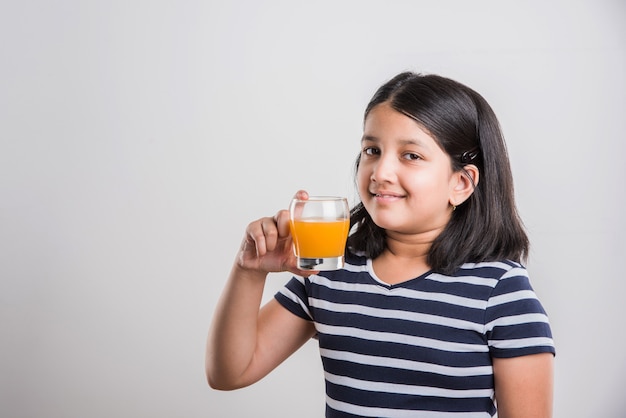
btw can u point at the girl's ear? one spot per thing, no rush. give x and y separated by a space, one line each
463 184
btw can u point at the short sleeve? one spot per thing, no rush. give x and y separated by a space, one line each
293 297
516 323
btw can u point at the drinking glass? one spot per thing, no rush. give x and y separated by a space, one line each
319 227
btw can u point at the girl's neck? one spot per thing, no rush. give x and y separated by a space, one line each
405 258
409 247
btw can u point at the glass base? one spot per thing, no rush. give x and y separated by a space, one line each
321 264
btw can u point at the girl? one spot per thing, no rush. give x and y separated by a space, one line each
433 314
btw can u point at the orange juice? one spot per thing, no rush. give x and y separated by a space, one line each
319 238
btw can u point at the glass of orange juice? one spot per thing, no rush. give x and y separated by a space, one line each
319 227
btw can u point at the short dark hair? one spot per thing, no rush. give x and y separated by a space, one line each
487 226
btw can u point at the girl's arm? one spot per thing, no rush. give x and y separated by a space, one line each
246 343
524 386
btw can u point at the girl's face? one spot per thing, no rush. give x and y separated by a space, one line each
405 179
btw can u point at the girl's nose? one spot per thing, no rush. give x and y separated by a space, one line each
384 170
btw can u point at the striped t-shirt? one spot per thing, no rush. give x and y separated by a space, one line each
421 348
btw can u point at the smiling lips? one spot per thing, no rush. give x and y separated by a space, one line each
383 196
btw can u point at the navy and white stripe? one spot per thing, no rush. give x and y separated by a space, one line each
422 347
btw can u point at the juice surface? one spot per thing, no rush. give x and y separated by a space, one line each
319 238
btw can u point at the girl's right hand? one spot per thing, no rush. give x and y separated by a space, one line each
268 246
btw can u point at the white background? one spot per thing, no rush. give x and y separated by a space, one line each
138 139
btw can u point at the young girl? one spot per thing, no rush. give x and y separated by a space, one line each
433 314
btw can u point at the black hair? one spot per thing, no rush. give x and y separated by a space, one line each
487 226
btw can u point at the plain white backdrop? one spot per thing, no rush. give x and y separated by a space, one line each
139 138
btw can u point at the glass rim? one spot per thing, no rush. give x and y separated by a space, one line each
321 198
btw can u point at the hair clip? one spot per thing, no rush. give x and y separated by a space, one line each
469 156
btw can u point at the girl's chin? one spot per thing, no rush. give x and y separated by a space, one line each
385 222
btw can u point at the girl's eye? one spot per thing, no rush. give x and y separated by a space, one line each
412 156
371 151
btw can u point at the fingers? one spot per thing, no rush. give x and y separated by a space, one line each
282 217
301 195
268 241
270 232
303 273
264 233
282 223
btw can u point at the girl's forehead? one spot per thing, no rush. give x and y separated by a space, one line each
385 122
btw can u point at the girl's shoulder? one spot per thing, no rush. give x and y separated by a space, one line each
492 269
487 274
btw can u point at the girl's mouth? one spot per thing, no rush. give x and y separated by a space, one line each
386 197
